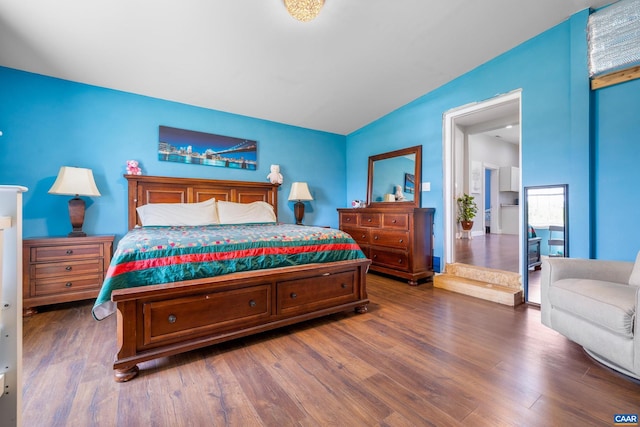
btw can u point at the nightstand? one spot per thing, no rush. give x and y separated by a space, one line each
63 269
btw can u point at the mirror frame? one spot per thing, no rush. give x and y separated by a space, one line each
525 232
417 173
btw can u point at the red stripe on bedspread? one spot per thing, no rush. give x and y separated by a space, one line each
127 267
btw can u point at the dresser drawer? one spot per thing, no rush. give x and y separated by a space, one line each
360 235
350 218
169 320
395 260
68 252
301 295
400 221
62 285
393 239
370 220
67 269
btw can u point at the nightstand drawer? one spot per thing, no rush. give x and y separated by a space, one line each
56 286
67 269
60 253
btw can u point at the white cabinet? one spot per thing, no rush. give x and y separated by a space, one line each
11 304
509 219
510 178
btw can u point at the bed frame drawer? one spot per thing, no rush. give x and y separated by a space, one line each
310 293
174 319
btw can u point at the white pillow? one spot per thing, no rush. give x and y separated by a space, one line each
243 213
634 279
203 213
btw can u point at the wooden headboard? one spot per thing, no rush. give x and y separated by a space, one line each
162 189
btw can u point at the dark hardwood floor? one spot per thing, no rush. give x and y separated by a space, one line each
499 251
421 356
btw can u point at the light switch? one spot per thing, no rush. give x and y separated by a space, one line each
426 186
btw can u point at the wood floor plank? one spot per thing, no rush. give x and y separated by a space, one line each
420 356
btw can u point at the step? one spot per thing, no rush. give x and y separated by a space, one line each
483 274
487 291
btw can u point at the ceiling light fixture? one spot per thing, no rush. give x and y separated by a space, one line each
304 10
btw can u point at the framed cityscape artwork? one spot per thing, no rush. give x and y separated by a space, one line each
199 148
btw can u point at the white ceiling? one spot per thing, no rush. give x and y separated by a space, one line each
356 62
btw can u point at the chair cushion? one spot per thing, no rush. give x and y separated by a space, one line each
635 273
606 304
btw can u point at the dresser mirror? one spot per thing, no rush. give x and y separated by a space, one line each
395 177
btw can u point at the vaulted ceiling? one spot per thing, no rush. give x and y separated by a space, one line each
357 61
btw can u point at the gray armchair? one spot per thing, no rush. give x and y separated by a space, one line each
592 303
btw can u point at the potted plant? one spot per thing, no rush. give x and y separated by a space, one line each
467 210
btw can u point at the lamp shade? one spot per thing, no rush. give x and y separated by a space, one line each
300 192
75 182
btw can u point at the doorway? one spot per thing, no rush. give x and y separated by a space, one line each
501 209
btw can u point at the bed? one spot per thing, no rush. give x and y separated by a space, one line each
161 313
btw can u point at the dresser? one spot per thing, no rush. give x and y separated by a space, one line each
63 269
397 239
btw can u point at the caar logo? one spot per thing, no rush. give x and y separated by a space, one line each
625 419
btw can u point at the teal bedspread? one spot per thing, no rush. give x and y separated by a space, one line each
154 255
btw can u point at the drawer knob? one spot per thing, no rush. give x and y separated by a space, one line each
252 303
394 221
348 220
294 295
69 251
343 286
68 284
368 219
400 261
172 318
375 237
401 240
375 256
68 268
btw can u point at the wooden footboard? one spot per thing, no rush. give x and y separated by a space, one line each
163 320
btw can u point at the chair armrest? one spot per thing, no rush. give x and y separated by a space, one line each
554 269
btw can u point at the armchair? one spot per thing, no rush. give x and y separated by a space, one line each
592 303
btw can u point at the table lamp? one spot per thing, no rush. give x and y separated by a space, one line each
299 193
75 182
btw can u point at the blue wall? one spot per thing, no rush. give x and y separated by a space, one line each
48 123
617 166
551 70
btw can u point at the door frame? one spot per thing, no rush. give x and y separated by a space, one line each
451 136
